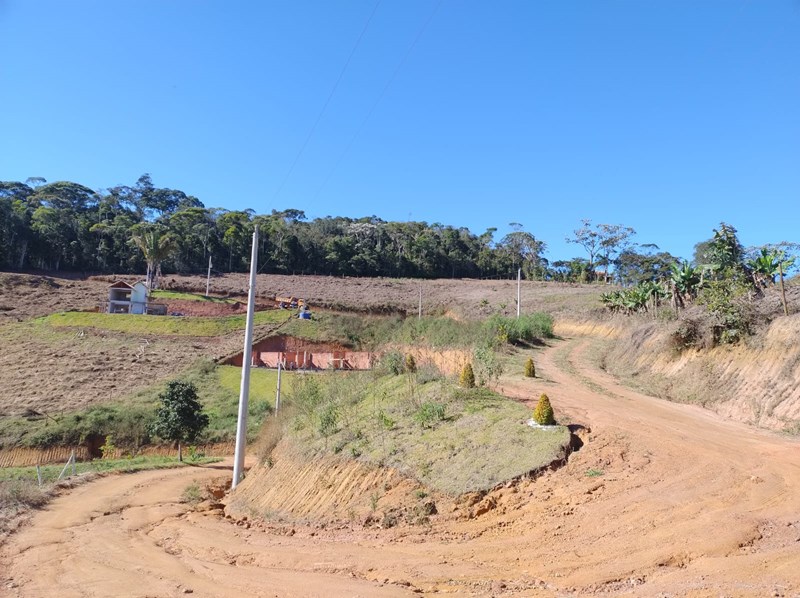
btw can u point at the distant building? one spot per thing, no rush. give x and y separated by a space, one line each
132 299
126 299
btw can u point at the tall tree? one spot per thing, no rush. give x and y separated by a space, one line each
524 251
614 239
604 241
587 237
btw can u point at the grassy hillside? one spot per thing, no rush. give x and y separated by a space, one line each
128 421
161 325
452 439
371 332
163 295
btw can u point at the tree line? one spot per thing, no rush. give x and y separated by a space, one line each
135 228
67 226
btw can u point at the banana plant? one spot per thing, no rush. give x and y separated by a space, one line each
767 264
613 301
685 281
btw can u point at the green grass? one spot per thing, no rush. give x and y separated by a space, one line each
165 295
220 395
128 421
50 472
162 325
370 332
451 439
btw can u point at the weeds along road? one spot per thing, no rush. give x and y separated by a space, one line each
663 499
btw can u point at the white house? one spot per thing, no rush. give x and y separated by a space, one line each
126 299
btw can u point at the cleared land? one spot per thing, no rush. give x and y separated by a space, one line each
56 361
663 499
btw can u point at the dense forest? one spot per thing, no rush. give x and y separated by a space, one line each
68 226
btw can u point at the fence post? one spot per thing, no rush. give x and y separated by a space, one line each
66 466
39 475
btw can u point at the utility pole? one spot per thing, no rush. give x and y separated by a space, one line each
419 316
519 282
278 392
208 278
247 358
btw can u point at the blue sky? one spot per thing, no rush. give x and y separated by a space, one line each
667 116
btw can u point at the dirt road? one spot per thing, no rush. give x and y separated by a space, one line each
662 500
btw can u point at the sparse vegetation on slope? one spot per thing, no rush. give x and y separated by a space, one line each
454 440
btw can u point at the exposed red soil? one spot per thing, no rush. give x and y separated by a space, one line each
662 500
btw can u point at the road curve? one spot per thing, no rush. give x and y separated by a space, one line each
663 499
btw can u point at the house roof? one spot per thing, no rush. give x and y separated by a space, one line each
120 285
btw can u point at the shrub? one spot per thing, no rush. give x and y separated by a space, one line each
192 494
467 377
25 493
392 363
430 413
411 364
108 450
428 372
487 367
328 421
543 414
385 422
530 369
726 300
306 394
526 328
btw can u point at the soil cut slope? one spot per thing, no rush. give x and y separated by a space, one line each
663 499
756 381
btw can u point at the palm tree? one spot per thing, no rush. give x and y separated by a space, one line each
156 243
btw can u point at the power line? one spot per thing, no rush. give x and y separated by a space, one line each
380 97
328 101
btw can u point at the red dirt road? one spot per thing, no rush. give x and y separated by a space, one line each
662 500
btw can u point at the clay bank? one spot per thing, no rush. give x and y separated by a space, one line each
300 354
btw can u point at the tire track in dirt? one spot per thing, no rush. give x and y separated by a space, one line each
662 499
124 536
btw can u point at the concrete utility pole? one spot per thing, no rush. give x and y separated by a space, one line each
278 392
247 358
419 316
519 282
208 278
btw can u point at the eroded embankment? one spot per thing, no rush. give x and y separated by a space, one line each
756 381
321 489
290 486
